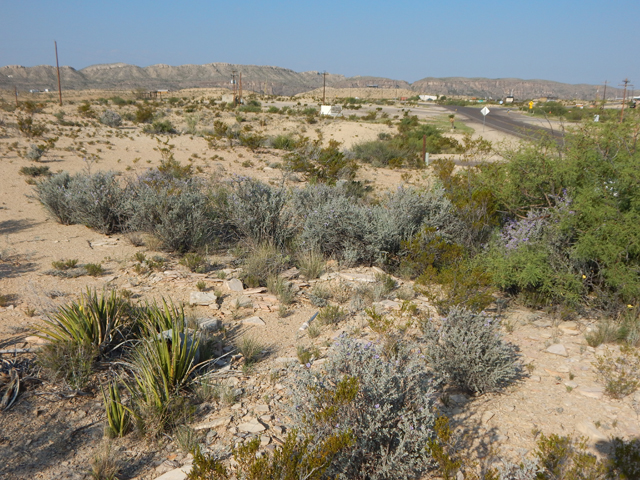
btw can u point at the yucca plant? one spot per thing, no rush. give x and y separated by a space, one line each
93 320
160 318
118 416
161 364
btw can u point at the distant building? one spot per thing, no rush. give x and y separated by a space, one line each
428 98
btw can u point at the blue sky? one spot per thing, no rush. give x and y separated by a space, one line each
586 41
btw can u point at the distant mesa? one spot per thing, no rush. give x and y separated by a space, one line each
275 81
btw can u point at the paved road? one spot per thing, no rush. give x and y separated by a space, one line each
499 119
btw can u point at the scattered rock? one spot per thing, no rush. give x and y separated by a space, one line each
358 277
252 427
215 423
253 291
244 302
202 298
210 324
590 430
290 274
253 321
488 415
388 304
558 349
234 285
177 474
591 392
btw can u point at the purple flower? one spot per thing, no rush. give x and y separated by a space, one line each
377 405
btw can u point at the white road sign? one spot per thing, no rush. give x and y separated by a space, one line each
484 111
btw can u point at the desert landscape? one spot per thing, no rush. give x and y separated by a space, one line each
306 284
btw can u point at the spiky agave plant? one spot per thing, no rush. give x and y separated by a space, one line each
161 365
118 416
95 319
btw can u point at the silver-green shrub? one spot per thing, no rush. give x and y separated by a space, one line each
468 350
35 152
111 119
260 212
56 196
93 200
176 211
386 403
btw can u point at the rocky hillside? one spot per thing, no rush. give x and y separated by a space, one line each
272 80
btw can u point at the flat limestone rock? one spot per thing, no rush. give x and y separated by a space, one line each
210 324
202 298
177 474
388 304
558 349
590 430
252 427
253 321
358 277
591 392
234 285
253 291
215 423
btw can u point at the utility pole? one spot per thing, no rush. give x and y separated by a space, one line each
58 69
240 95
624 97
324 87
604 97
233 82
15 90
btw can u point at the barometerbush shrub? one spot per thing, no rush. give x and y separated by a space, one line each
387 403
260 212
468 350
111 118
93 200
176 211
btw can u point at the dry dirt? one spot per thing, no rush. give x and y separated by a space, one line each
53 433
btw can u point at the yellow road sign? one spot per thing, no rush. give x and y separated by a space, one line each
530 105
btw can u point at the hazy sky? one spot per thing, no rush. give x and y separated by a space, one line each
578 41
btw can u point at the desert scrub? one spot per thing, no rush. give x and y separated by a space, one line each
311 263
34 172
264 262
331 315
386 405
621 373
178 212
467 349
93 200
281 288
260 212
194 262
300 457
94 269
251 349
111 119
68 360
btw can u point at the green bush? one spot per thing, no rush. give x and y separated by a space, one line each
468 350
160 127
321 164
42 171
264 262
144 113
